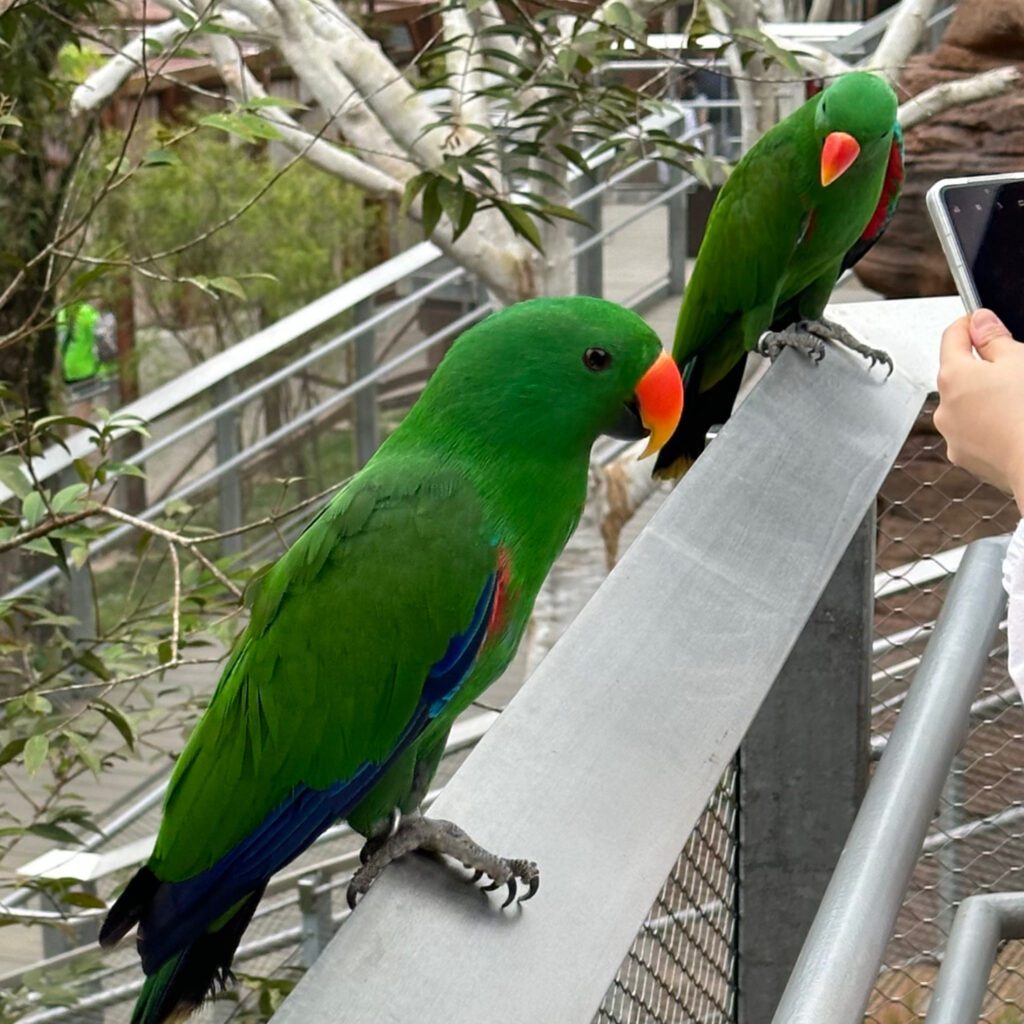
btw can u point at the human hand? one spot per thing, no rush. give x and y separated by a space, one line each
981 401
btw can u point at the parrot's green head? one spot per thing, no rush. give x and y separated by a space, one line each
551 375
854 123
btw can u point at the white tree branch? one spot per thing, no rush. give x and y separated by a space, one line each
901 37
105 81
243 85
338 99
401 110
957 94
817 60
465 69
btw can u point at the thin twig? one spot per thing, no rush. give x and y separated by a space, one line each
172 538
175 602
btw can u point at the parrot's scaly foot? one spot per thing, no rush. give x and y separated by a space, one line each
810 336
439 836
771 343
829 330
375 842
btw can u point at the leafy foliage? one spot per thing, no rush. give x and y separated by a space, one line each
220 234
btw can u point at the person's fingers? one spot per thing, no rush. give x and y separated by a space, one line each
989 335
956 340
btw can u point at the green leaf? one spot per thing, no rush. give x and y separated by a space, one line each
413 187
521 223
431 206
68 496
118 720
12 477
564 213
36 749
33 509
574 157
84 899
126 469
47 830
9 120
41 546
229 285
85 751
37 703
12 750
469 205
94 664
161 158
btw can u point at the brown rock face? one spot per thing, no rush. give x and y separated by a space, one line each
983 138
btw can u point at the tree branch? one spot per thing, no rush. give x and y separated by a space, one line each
901 37
242 84
957 94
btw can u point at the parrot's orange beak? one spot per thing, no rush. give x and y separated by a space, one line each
660 398
839 151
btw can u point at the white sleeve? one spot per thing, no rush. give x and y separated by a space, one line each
1013 582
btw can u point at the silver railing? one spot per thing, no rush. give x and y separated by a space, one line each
840 959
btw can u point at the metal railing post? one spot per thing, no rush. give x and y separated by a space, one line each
839 962
803 772
315 908
229 510
678 234
982 922
367 428
948 882
590 262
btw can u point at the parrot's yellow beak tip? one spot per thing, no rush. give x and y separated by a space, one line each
660 399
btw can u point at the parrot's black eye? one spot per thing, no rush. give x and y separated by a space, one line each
597 359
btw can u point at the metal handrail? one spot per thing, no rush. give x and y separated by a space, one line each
981 924
839 962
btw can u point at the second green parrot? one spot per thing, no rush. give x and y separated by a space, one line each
806 202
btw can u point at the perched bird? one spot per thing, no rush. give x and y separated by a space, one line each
399 604
806 202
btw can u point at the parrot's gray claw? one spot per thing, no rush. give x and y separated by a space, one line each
771 344
810 337
438 836
534 885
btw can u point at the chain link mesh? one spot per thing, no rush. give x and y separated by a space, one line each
927 511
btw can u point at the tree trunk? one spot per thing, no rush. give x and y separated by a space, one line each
31 188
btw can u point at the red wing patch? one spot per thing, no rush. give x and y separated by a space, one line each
499 606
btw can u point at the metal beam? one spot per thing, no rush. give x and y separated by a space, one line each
803 773
839 962
602 764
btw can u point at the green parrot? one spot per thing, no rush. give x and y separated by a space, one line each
400 603
806 202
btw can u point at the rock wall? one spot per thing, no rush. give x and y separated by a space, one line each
983 138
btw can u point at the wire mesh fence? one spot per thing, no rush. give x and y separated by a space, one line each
681 966
927 511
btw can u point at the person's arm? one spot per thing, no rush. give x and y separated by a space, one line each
981 416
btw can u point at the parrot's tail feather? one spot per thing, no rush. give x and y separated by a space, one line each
702 411
181 984
130 905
